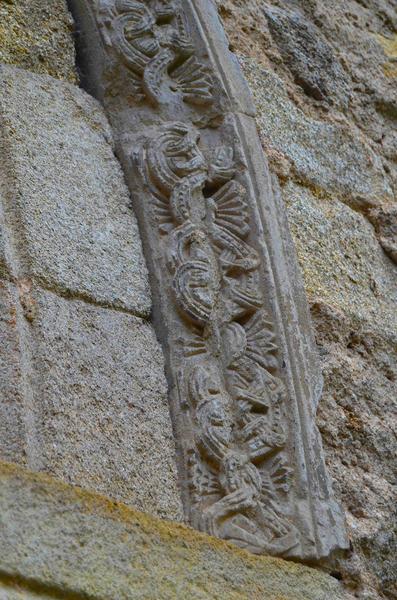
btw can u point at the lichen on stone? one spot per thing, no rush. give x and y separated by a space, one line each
37 35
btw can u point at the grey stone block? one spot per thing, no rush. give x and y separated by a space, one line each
38 35
83 391
326 155
12 406
342 262
96 401
66 207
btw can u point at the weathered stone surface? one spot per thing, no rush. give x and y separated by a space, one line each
12 409
357 419
350 280
94 404
384 219
342 262
82 380
57 540
352 286
38 35
326 155
310 58
16 592
101 403
228 306
66 208
359 37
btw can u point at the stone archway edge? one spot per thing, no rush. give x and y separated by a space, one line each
229 307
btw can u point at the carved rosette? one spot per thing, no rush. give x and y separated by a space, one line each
242 476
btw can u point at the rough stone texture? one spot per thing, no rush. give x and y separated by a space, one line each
352 286
338 65
56 539
337 61
357 419
37 35
82 375
67 207
323 78
347 50
311 60
384 220
14 591
326 155
12 429
100 403
342 262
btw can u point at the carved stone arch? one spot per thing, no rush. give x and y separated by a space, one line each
228 304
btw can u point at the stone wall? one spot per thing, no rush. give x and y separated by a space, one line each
37 35
323 79
76 326
84 395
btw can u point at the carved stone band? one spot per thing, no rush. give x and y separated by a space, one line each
228 303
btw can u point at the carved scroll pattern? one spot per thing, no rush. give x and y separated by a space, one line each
154 45
230 383
238 474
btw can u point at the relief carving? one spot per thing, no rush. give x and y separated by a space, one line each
240 394
236 505
154 45
238 426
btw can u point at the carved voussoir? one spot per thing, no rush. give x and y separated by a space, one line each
152 41
251 462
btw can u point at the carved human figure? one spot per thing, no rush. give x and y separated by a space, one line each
240 513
